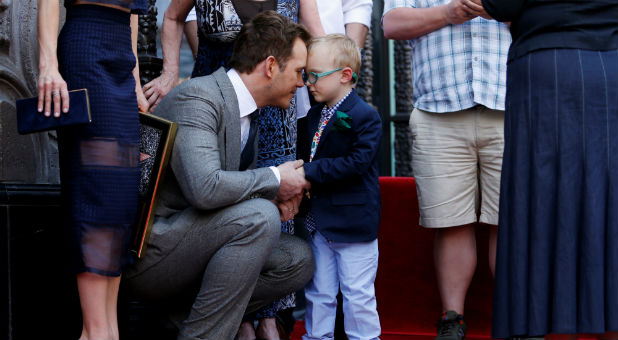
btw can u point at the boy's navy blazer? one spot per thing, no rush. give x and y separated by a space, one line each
345 193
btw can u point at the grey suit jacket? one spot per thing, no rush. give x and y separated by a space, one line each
205 159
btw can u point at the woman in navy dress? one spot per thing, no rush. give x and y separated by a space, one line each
99 163
557 253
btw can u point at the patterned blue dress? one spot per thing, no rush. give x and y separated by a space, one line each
218 25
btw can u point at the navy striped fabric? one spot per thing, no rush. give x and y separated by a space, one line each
557 261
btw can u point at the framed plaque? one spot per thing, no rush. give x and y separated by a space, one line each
157 141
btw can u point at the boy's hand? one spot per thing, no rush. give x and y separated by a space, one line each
301 171
292 180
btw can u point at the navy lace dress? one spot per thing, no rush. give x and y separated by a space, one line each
277 138
99 163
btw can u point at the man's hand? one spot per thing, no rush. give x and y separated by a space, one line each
288 209
457 12
142 102
301 171
476 6
292 180
159 87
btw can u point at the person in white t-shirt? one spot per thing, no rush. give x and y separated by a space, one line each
349 17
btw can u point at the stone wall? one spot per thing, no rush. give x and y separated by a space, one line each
30 158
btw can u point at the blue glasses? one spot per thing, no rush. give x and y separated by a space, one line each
313 77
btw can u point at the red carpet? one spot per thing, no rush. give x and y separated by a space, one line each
406 288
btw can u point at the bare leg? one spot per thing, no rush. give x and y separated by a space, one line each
246 331
493 241
112 305
93 290
455 262
267 329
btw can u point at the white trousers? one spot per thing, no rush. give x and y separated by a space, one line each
351 267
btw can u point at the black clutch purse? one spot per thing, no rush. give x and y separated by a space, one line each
30 120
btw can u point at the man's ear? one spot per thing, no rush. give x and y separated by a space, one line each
346 75
271 67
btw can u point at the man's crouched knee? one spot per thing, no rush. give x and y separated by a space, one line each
264 217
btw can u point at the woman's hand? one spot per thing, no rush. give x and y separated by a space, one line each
52 88
159 88
52 91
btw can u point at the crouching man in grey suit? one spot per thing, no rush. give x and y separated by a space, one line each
217 237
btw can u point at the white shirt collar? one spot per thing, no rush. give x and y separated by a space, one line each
246 103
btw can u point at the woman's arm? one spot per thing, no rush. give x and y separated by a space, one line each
309 16
51 84
190 30
142 103
171 38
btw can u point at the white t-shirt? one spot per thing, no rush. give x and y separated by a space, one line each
334 15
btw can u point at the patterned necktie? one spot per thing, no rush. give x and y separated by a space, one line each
248 152
325 116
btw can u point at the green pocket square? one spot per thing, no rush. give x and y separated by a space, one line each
342 121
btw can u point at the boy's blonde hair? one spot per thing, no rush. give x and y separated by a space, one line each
343 51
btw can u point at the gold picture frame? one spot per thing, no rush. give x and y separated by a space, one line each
157 140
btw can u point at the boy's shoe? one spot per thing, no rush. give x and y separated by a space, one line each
451 327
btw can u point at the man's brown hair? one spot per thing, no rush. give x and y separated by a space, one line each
267 34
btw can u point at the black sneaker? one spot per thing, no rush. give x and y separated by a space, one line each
451 327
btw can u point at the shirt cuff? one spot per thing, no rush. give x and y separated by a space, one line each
276 172
360 15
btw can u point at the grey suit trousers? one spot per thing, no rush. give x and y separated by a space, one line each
229 261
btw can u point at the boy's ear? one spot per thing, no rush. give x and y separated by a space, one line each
347 75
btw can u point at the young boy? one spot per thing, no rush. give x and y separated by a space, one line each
339 145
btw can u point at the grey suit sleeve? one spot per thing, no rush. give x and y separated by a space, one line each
196 160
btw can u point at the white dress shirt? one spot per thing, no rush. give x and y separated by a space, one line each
246 106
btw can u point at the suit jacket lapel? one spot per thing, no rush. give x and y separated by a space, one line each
346 106
231 117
